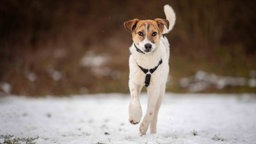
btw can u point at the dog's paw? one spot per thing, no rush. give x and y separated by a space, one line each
143 129
135 112
133 122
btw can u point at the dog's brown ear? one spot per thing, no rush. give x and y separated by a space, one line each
161 23
130 25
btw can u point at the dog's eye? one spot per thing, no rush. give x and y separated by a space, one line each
154 33
140 33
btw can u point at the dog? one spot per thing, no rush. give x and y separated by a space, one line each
148 66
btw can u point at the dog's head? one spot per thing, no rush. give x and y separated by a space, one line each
146 34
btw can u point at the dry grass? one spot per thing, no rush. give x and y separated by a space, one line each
43 37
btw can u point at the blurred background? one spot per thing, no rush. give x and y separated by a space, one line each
64 47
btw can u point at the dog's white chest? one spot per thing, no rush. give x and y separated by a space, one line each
150 69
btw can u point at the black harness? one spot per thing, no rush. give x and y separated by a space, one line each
147 72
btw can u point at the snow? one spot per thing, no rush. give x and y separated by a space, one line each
203 80
103 119
54 74
97 63
31 76
6 87
94 60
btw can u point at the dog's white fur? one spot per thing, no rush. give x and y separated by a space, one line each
156 89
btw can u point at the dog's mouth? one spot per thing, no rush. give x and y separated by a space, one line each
147 50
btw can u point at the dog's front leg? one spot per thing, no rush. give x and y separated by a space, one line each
135 111
158 104
153 93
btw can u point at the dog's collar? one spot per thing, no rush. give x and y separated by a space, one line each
148 72
137 49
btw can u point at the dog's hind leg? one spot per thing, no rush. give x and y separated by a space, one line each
152 102
158 104
135 111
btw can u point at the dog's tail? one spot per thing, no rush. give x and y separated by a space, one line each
170 16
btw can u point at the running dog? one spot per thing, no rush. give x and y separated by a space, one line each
149 66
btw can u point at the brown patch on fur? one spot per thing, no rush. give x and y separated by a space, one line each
153 28
130 25
147 27
161 23
140 29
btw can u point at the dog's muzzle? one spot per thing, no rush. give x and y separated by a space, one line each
148 47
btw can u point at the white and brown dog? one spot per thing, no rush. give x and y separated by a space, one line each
149 66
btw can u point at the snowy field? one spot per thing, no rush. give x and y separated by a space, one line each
103 119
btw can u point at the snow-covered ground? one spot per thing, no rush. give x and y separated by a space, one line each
103 119
203 80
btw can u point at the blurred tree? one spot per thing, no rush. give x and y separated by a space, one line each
43 37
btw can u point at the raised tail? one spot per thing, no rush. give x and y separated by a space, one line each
170 16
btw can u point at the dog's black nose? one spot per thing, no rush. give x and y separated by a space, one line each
148 47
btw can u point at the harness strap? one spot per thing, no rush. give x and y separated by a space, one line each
148 72
137 49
